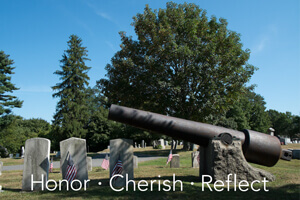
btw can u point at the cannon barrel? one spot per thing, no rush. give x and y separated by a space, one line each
258 147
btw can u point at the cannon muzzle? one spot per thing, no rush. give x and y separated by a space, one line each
258 147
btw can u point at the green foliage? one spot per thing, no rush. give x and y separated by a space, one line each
16 130
7 101
157 147
248 112
71 110
285 124
183 64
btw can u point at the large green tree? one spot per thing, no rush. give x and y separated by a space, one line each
285 124
7 101
248 112
71 110
181 64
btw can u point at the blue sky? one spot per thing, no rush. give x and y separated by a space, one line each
35 34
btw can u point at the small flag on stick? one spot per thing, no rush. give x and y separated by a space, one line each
71 170
170 157
105 163
51 165
118 169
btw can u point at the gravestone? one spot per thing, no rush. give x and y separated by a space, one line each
75 147
36 163
175 162
1 164
135 146
143 143
166 143
195 159
175 144
135 161
121 152
161 142
57 154
11 155
22 152
18 155
139 145
89 162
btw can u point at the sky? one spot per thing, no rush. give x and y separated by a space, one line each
35 33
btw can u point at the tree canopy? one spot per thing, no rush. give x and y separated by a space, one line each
71 110
182 64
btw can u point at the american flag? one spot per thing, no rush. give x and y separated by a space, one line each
170 157
118 169
51 165
105 163
71 170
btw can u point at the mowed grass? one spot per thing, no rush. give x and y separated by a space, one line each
286 185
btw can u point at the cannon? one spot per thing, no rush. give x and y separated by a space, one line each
259 148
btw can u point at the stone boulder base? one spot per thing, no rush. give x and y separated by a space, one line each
219 160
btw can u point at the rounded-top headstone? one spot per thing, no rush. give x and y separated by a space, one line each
76 147
36 163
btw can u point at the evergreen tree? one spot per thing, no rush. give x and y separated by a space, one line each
7 101
71 113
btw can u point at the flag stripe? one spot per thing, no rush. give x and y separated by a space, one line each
71 170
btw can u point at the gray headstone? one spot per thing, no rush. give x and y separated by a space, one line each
135 161
36 163
57 154
18 155
166 143
11 155
161 142
76 147
1 164
135 146
22 152
139 145
121 149
89 162
175 161
143 143
195 159
176 143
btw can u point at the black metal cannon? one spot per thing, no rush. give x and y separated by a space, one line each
257 147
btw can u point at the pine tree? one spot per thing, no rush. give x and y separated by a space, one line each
71 112
7 101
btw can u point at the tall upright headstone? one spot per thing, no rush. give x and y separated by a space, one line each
161 142
121 153
89 162
36 163
1 164
195 159
75 147
143 143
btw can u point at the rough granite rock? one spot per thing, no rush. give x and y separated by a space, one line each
219 160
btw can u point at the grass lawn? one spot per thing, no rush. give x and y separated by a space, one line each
286 185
